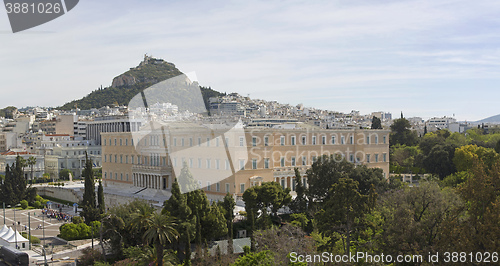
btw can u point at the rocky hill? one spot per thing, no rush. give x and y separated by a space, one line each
125 86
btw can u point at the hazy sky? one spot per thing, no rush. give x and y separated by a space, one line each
425 58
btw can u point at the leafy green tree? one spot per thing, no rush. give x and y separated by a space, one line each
228 204
440 160
479 230
160 231
497 147
401 133
465 156
263 258
414 218
100 199
376 123
90 211
344 207
328 170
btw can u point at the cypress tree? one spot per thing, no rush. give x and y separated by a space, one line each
100 198
90 212
228 205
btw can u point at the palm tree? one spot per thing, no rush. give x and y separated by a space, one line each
31 162
138 219
160 231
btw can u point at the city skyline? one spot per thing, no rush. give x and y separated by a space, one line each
424 58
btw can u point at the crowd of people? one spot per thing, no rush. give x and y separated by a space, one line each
60 216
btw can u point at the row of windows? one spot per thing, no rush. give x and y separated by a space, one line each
314 140
116 176
155 141
157 160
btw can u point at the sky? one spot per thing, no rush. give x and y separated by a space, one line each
423 58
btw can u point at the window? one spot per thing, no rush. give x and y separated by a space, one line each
217 142
105 159
182 142
383 139
217 186
227 142
227 164
116 176
190 142
208 185
342 140
304 160
208 163
242 164
115 142
368 158
304 140
217 164
282 140
376 158
314 140
351 140
254 141
116 158
121 177
241 141
175 141
293 161
323 140
132 159
199 162
266 163
266 141
227 187
104 142
121 142
293 140
333 140
191 162
126 142
126 159
208 142
313 159
376 139
282 161
105 175
199 141
351 158
242 188
368 140
384 156
127 177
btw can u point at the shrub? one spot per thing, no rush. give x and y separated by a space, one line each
37 205
24 204
77 220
